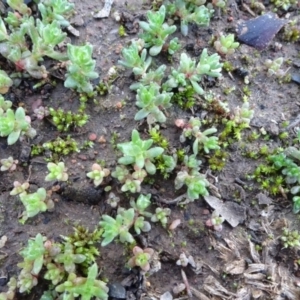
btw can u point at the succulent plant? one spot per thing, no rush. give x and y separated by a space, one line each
35 203
152 102
14 124
203 139
161 215
139 153
141 258
189 12
290 239
33 255
190 73
88 288
19 188
131 58
274 67
57 172
5 82
156 31
190 176
215 221
68 258
97 174
81 68
126 219
226 44
8 164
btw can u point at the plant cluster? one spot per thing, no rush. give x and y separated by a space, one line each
150 77
144 159
57 172
141 258
290 239
139 153
218 160
156 32
84 243
284 4
65 120
80 69
274 69
131 181
14 124
132 219
215 221
189 12
34 203
8 164
226 44
158 138
59 264
202 139
97 174
190 73
286 163
165 164
268 178
291 32
237 122
184 97
57 147
152 102
126 219
132 59
190 176
45 34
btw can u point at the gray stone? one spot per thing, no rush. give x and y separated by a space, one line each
116 290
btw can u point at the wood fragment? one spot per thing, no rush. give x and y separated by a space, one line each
198 294
187 285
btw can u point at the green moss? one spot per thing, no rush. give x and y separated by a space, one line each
184 97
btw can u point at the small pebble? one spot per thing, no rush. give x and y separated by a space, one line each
82 157
116 290
102 140
92 137
205 212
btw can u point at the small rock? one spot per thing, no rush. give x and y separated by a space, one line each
77 20
92 137
232 212
296 78
25 153
259 32
82 157
178 288
263 199
166 296
272 128
102 139
258 122
116 290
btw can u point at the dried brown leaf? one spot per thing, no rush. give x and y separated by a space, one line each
253 252
213 287
3 241
235 267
